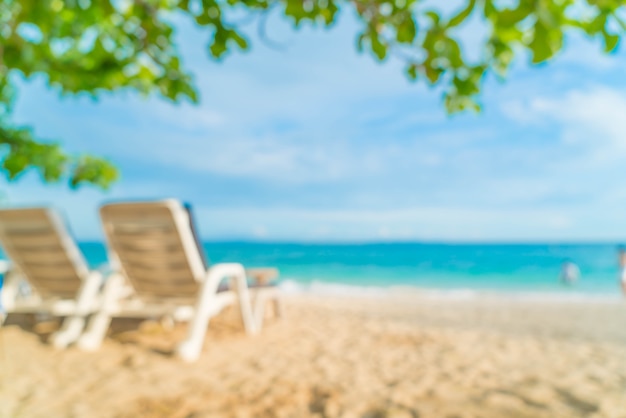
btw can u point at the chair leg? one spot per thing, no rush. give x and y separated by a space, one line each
250 322
262 299
69 332
74 324
208 305
189 350
100 321
96 330
259 309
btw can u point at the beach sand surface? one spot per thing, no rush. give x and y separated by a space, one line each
336 357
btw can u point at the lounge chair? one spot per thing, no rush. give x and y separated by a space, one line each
160 271
42 254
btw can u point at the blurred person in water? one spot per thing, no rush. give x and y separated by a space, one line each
570 273
621 259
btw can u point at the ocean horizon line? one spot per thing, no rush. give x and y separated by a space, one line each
244 241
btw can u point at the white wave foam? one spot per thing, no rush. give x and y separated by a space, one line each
332 289
291 286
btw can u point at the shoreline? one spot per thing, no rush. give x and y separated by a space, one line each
566 295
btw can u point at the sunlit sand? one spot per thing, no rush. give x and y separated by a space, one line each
337 357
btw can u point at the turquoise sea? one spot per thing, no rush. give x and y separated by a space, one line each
531 269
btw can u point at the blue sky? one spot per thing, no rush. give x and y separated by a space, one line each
316 142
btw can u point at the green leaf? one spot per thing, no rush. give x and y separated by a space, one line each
597 24
540 45
511 17
610 41
295 9
329 12
453 53
239 40
412 71
378 47
464 14
218 47
93 171
204 19
406 31
432 74
434 16
360 41
15 164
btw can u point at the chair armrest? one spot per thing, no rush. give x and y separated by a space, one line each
262 275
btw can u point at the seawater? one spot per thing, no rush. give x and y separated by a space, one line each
512 268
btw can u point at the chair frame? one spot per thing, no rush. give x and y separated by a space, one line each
75 310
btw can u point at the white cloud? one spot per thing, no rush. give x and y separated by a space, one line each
591 119
188 117
587 54
585 166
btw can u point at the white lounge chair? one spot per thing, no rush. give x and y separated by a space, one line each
43 254
160 272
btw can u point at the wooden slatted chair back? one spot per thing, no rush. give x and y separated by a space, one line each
38 243
153 245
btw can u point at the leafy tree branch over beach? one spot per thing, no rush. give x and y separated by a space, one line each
90 47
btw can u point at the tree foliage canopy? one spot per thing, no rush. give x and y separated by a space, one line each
92 46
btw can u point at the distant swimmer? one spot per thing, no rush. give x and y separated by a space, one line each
570 273
621 258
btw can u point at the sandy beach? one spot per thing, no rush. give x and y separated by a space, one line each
337 357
